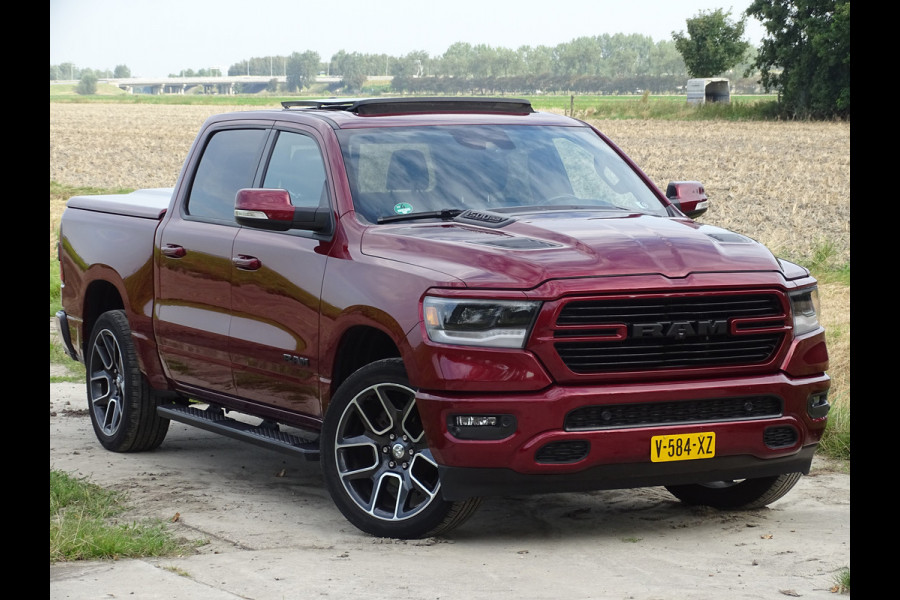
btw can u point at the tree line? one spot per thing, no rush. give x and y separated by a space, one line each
603 64
805 58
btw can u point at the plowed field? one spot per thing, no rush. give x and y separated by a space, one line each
785 184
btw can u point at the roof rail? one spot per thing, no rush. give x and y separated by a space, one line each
413 105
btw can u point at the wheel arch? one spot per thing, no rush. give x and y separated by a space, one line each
100 296
358 346
104 292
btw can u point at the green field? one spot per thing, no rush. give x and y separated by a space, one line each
626 106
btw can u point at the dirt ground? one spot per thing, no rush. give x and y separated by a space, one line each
269 531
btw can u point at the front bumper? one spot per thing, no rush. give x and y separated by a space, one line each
619 456
460 483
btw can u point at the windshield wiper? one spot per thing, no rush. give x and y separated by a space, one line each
445 214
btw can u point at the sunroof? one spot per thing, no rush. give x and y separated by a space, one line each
390 106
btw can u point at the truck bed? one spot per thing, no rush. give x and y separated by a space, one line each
149 203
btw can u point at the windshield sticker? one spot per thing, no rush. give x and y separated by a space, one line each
403 208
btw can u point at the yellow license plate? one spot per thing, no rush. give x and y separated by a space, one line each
685 446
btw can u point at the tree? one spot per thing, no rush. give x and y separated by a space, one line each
67 70
410 65
805 55
301 70
352 68
713 43
457 60
535 61
88 83
122 72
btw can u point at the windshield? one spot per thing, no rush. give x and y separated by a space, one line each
408 170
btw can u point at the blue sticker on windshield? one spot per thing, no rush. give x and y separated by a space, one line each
403 208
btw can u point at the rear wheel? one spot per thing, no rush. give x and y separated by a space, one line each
377 463
121 404
738 494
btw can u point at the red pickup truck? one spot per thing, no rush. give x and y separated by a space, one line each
442 299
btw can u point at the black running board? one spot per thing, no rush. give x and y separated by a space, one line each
264 435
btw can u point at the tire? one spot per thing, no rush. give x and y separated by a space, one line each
736 495
376 462
121 404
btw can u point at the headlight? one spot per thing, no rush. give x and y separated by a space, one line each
805 308
490 323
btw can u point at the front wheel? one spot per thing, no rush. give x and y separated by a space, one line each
741 494
121 404
376 461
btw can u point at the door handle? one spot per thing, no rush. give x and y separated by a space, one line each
173 251
246 263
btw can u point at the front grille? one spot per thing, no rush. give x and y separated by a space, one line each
653 414
669 332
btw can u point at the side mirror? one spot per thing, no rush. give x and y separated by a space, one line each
265 208
689 197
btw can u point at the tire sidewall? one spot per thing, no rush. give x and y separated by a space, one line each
419 525
116 323
744 495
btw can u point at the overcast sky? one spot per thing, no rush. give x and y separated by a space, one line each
157 37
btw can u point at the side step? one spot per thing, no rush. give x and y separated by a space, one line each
265 435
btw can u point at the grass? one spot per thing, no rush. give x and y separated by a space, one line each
842 581
835 442
84 525
55 285
72 371
674 108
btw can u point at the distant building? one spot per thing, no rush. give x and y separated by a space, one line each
708 89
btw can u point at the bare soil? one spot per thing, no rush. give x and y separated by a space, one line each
785 184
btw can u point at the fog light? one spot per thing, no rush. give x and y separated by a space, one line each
817 405
476 421
481 427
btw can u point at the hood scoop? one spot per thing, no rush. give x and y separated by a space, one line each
730 238
515 243
483 218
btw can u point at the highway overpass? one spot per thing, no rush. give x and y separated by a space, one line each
220 85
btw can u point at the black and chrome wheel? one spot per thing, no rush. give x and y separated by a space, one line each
121 404
376 460
738 494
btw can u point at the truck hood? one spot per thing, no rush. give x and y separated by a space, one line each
535 248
